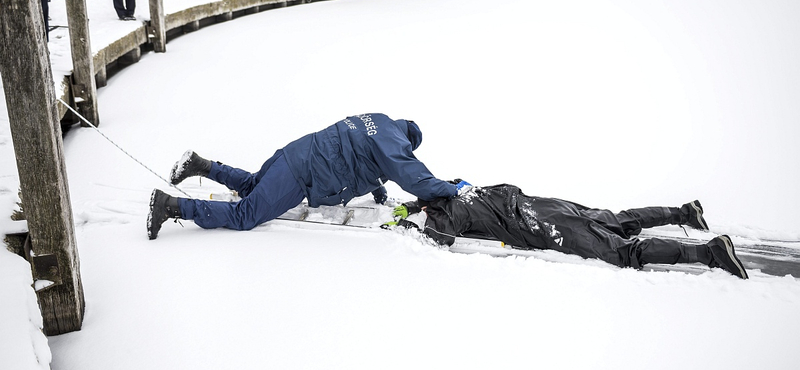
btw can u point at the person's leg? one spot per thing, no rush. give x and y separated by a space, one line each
120 8
233 178
241 181
46 16
273 195
668 251
594 241
588 238
634 220
130 7
631 222
719 252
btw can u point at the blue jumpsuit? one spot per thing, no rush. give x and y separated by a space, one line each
348 159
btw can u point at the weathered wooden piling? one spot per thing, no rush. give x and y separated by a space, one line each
84 86
158 26
36 132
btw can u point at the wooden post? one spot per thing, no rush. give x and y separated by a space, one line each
101 77
191 26
84 87
131 57
224 17
158 26
36 133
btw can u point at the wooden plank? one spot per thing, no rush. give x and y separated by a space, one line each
196 13
120 47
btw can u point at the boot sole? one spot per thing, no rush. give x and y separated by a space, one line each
179 167
150 217
729 248
699 215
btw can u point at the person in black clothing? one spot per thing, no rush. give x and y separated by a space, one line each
504 213
46 18
125 10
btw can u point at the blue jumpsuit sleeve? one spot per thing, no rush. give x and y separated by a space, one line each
396 159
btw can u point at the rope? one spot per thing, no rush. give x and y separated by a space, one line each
122 150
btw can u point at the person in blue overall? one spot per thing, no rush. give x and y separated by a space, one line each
348 159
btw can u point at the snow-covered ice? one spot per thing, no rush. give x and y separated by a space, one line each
23 344
611 104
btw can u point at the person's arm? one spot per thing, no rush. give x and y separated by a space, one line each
444 222
380 195
398 163
440 231
406 224
439 226
412 207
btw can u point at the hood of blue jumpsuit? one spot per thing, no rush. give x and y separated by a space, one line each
412 132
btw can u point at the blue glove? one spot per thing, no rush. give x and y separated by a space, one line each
380 195
463 187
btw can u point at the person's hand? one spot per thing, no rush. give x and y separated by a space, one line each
380 195
463 187
400 211
389 224
406 224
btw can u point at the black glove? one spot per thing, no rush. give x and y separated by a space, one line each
406 224
380 195
415 207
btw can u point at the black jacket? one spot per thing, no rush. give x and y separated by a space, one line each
499 212
503 212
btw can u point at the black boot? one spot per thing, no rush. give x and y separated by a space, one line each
162 207
724 256
655 250
189 165
692 214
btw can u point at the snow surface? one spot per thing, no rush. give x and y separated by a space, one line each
22 344
612 104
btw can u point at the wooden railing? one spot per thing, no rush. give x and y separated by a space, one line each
128 48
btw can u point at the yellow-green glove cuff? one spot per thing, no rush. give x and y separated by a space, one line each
400 211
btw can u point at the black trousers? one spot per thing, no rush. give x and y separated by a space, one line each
46 15
126 9
602 234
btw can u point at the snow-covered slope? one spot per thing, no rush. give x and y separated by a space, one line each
610 104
